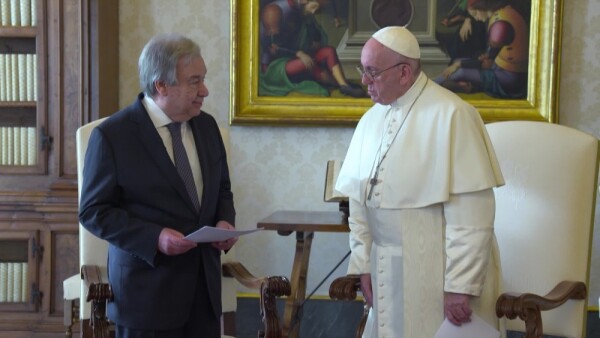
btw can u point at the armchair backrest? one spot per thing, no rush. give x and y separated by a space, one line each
545 214
228 285
92 250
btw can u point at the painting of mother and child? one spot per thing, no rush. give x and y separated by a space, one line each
486 43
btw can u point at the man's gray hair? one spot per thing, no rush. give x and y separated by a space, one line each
159 58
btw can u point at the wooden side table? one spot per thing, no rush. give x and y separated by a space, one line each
305 224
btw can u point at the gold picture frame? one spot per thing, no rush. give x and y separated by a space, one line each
248 107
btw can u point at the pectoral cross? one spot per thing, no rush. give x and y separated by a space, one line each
374 181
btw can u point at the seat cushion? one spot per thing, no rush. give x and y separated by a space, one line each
72 287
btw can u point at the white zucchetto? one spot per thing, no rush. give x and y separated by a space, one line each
400 40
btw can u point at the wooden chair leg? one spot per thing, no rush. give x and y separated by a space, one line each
228 323
70 316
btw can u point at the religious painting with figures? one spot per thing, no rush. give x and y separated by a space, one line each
487 43
298 49
296 60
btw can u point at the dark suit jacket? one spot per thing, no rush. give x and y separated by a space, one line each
131 190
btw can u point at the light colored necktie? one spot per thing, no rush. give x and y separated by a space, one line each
182 163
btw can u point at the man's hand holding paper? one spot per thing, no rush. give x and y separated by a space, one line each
226 244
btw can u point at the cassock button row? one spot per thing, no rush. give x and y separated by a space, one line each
380 284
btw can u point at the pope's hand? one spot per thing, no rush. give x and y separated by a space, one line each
457 308
366 288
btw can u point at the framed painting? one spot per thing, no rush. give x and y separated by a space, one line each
273 41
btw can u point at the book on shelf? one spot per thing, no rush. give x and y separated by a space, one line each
3 282
31 146
14 83
30 71
23 146
8 79
3 77
332 172
3 145
15 13
17 281
25 12
4 13
14 78
33 12
21 77
25 282
10 280
16 133
34 88
10 146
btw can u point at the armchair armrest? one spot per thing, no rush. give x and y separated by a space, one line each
346 288
270 288
98 294
528 306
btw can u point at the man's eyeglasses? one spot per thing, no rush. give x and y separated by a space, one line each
372 75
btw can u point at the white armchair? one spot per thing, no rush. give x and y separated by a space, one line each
544 221
92 252
92 290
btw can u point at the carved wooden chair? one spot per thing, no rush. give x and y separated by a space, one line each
93 291
544 222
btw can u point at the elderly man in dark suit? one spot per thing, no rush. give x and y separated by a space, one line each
155 172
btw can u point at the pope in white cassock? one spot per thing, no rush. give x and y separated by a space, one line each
419 174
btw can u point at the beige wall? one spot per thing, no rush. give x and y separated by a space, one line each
283 168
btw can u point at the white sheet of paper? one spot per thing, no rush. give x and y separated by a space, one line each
208 234
476 328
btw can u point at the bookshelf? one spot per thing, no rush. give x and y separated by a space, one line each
18 260
20 129
58 71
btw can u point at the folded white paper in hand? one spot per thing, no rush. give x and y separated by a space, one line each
476 328
208 234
